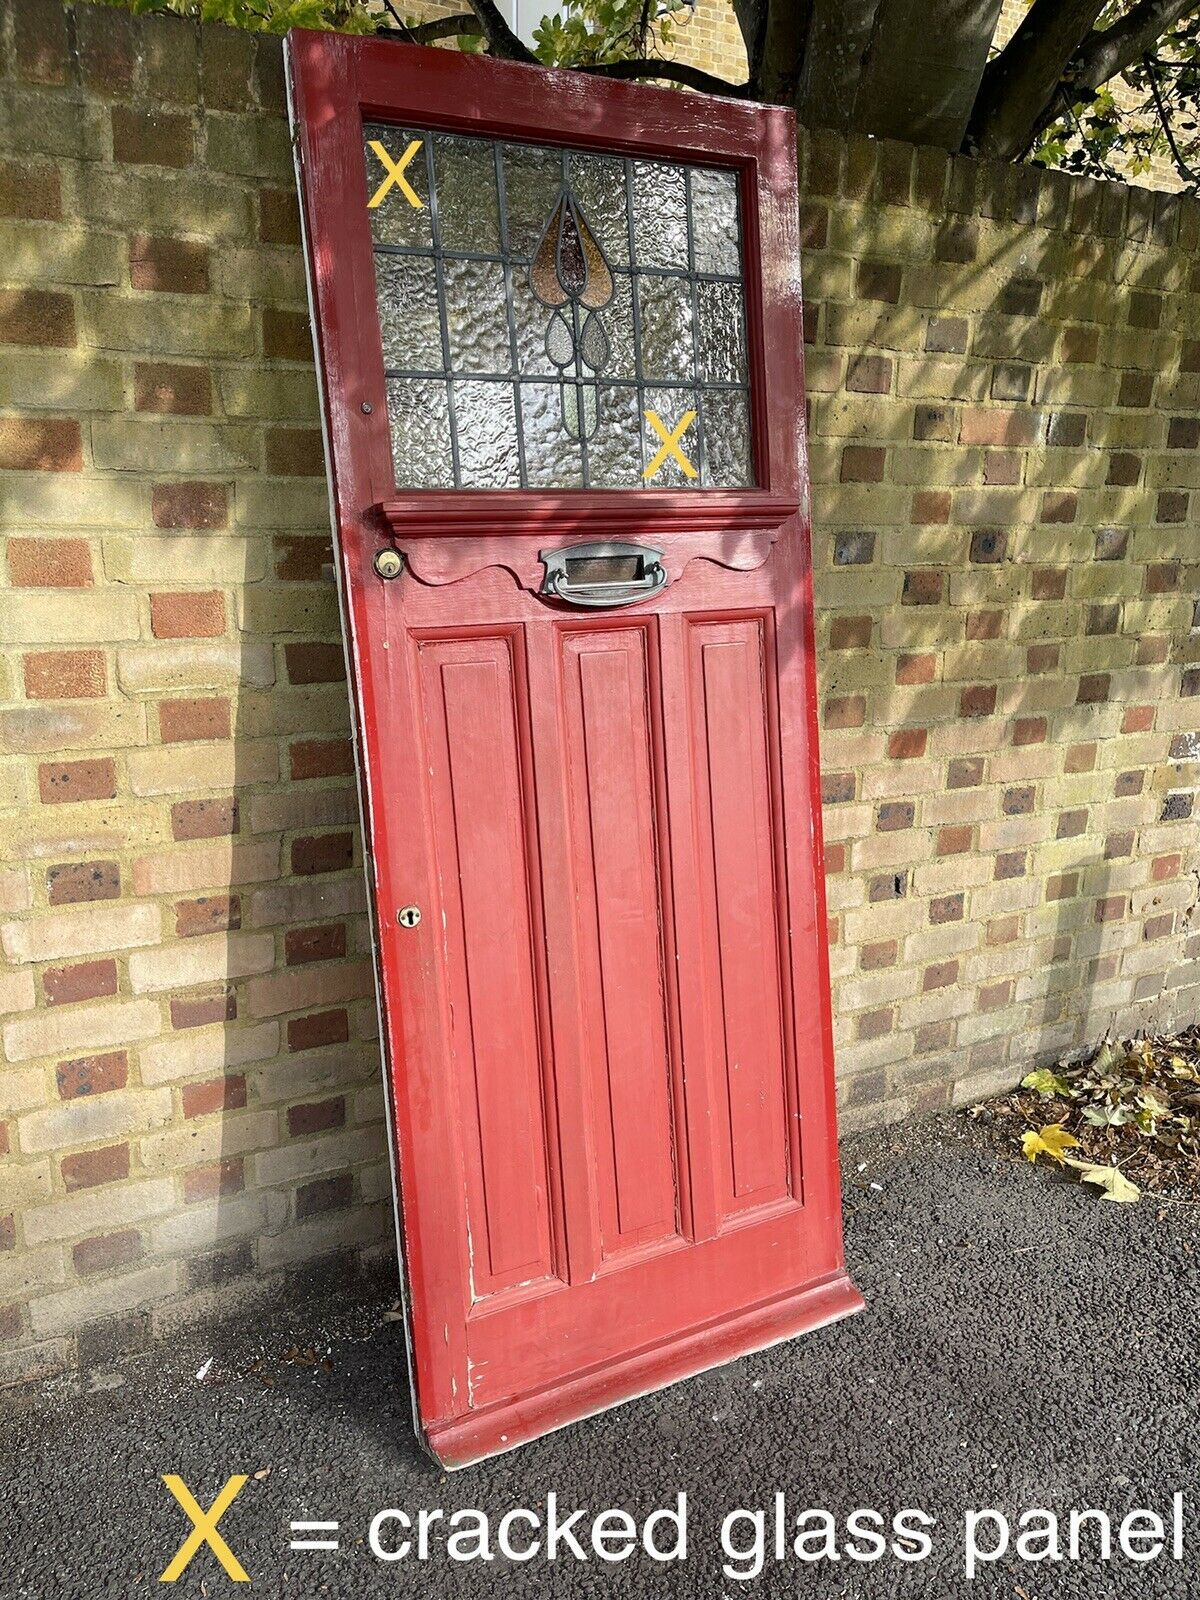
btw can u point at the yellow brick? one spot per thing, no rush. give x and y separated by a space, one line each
185 769
57 934
80 1028
188 963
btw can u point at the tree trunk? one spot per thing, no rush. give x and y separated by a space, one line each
1021 82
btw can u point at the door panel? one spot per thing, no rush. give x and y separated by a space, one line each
479 817
737 822
609 777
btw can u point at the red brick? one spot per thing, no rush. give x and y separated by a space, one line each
321 758
215 913
850 633
301 558
912 669
152 138
86 1169
995 996
947 908
76 881
835 860
1003 930
286 335
65 675
1160 927
977 701
198 1010
318 1028
1010 864
1094 689
88 1075
955 841
295 452
878 280
1002 468
883 953
922 588
183 721
998 426
49 564
62 782
984 625
190 505
325 852
85 980
1059 505
1042 657
204 819
838 788
107 1252
875 1024
31 192
314 663
31 444
869 375
171 388
894 816
930 506
324 943
1110 908
278 216
317 1116
1165 867
965 773
11 1324
332 1193
940 976
4 1142
42 317
1138 719
8 1232
845 711
907 743
1029 730
1163 578
188 614
988 547
863 463
216 1094
215 1180
169 266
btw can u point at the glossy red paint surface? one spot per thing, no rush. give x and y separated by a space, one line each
608 1039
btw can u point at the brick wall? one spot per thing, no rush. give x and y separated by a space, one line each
1005 381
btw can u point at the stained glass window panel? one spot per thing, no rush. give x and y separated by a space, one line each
557 318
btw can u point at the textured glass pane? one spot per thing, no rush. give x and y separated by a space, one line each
671 406
722 332
477 316
726 440
615 449
486 430
532 182
660 215
618 322
532 320
715 221
406 289
665 306
599 186
552 458
419 416
395 220
468 214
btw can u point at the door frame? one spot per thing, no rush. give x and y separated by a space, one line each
336 82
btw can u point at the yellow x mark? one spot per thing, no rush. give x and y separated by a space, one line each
205 1530
395 175
670 444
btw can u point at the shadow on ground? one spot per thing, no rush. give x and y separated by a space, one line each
1024 1345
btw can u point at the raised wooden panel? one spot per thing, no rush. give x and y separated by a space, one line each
612 786
481 821
735 810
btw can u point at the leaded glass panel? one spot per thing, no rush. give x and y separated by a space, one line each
557 318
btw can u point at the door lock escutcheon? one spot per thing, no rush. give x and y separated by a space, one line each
389 564
408 916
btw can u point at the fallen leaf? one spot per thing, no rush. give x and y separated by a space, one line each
1046 1082
1052 1141
1111 1180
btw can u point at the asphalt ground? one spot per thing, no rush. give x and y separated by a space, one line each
1026 1345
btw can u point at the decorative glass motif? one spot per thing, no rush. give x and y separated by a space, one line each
570 275
558 319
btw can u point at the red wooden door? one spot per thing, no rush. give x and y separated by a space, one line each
559 329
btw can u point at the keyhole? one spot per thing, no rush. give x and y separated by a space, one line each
408 916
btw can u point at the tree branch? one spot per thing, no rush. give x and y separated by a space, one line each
1020 82
671 72
466 22
502 41
1181 166
1105 54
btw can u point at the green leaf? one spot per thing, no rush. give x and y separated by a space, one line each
1046 1082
